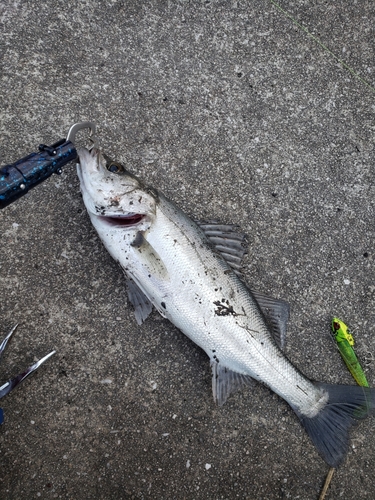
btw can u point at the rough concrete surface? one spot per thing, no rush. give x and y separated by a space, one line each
236 114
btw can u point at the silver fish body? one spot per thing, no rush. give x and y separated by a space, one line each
174 266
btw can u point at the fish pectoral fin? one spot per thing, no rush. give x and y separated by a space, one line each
142 305
227 241
148 257
276 312
226 381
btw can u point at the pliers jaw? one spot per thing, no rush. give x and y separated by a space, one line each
15 381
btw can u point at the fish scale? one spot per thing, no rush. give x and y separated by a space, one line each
172 265
241 341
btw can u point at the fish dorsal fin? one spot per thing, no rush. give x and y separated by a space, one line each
227 241
142 306
226 381
276 312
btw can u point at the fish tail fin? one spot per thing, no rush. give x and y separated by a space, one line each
329 429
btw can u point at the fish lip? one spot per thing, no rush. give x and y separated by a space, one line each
122 221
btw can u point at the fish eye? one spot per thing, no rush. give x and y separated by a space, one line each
115 167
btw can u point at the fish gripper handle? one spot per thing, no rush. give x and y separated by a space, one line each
19 177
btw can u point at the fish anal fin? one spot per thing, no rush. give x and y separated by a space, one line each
226 381
276 312
142 305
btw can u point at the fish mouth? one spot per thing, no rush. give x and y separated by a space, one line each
129 220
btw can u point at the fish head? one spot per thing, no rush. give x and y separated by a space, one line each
113 196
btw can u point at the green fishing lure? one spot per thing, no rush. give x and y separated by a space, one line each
345 343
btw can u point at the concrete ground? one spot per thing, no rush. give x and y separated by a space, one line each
236 114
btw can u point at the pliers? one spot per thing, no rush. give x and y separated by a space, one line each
13 382
17 178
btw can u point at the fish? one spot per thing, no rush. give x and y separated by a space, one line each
190 272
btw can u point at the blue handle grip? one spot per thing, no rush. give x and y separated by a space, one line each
16 179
